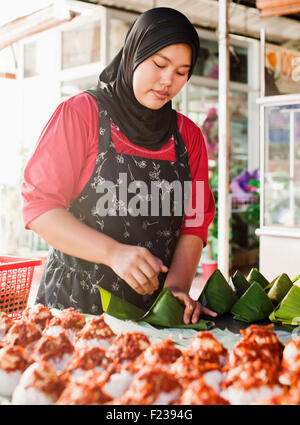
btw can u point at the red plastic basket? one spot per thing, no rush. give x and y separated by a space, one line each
15 281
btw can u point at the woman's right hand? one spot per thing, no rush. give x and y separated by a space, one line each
137 266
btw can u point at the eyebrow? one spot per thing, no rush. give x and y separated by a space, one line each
167 59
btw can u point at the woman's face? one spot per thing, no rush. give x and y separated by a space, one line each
159 78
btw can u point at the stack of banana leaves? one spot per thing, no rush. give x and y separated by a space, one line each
253 298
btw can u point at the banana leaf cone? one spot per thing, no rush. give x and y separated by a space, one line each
280 288
166 311
256 276
217 294
288 311
240 283
254 305
296 278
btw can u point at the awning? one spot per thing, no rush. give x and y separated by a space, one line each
277 7
33 23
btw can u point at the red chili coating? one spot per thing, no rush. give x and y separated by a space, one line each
128 346
95 328
198 393
148 385
23 333
13 358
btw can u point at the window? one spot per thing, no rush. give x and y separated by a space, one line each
282 160
203 110
81 46
208 62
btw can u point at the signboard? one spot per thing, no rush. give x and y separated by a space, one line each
283 66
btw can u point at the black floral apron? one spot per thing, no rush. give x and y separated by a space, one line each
72 282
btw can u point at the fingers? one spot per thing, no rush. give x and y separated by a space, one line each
134 284
193 308
138 267
208 311
143 282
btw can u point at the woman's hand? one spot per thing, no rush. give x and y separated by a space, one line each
137 266
193 308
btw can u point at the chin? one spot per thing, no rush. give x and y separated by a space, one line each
155 105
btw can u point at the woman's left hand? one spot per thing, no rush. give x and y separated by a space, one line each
193 308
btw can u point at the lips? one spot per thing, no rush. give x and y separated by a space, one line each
162 95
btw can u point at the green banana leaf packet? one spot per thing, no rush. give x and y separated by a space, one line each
166 311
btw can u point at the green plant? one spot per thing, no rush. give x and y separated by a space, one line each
252 215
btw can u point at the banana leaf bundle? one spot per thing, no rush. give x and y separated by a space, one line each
288 311
240 283
166 311
279 288
217 294
253 305
256 276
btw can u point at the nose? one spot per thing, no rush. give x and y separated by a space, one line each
166 77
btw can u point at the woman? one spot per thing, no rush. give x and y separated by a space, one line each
119 137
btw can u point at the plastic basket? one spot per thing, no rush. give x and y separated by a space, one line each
15 281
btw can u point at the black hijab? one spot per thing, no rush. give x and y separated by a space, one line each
151 32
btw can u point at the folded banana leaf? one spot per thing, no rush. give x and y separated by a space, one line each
254 305
217 294
296 278
256 276
280 288
166 311
240 283
288 311
119 308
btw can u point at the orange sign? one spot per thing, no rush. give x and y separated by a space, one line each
284 65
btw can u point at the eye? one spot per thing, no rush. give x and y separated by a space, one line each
158 66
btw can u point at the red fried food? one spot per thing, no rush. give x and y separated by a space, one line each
207 347
23 333
6 323
57 350
190 367
95 332
39 314
292 349
263 336
87 358
152 387
198 393
85 391
39 384
162 354
245 351
69 320
289 396
252 374
14 357
290 370
127 347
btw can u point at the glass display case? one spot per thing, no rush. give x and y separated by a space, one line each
280 185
